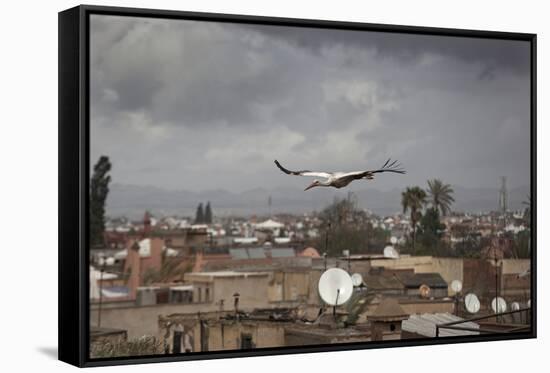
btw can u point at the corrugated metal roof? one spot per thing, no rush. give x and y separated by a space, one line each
425 324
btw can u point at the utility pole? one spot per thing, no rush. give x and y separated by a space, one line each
102 270
503 199
326 242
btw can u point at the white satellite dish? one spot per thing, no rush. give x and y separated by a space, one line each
529 303
390 252
110 261
471 302
498 305
393 240
515 306
456 286
335 286
356 279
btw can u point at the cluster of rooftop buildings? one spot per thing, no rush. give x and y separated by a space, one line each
251 284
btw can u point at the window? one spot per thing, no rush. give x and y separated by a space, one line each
246 341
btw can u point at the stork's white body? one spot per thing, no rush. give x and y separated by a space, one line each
342 179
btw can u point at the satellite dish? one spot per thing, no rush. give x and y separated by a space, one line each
515 306
471 302
390 252
498 305
529 303
456 286
424 291
393 240
335 286
356 279
110 261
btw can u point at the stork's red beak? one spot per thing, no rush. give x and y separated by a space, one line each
310 186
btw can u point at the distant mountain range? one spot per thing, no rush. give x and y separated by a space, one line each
133 200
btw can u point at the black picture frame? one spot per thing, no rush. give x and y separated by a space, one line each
74 171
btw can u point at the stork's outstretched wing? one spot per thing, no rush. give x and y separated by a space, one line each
389 166
303 172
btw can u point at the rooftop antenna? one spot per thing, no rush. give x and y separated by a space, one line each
347 255
456 286
335 287
102 271
236 304
495 258
326 240
471 302
503 198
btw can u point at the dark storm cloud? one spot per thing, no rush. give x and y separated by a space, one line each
198 105
504 55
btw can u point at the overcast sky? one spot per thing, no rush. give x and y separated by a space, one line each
196 105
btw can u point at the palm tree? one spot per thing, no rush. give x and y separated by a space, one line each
440 196
413 199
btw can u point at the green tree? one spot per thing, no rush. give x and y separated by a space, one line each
470 243
208 214
413 199
440 196
429 233
99 189
521 245
348 228
199 216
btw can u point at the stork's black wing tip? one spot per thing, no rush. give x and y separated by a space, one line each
282 168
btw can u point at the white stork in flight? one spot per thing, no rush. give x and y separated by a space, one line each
342 179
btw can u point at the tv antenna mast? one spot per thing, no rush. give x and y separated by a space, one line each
456 287
503 198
